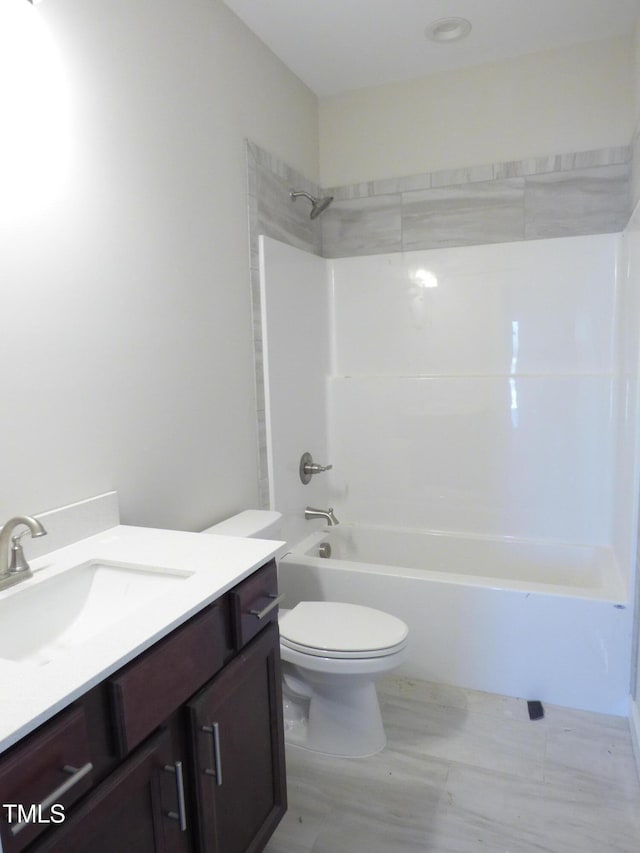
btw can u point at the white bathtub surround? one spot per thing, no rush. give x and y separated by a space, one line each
471 389
482 405
485 394
522 619
525 456
295 335
468 771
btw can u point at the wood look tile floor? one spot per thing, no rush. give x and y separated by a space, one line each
468 772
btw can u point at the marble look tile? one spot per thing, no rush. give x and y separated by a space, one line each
489 811
564 162
588 201
283 219
508 169
495 171
473 701
404 184
584 751
413 182
467 214
404 800
457 735
367 226
382 803
349 192
252 168
635 169
388 186
500 707
597 157
453 177
263 494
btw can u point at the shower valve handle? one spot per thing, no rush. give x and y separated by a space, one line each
308 468
314 468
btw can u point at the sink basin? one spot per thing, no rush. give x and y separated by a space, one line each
44 618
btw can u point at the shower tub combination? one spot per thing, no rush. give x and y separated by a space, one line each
521 618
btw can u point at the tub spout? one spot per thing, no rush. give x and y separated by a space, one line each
312 512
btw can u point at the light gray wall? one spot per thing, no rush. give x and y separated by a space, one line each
126 357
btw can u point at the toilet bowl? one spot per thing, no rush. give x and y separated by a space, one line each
332 654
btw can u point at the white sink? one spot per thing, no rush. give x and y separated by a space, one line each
41 619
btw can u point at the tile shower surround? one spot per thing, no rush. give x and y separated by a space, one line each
559 195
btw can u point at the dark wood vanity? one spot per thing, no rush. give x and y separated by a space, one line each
180 750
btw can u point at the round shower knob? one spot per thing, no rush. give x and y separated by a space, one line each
308 468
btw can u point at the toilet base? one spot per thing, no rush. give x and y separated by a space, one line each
340 718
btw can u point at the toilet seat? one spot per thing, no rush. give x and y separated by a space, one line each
341 631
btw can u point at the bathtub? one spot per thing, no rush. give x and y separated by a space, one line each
536 620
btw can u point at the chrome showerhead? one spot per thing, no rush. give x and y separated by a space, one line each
318 205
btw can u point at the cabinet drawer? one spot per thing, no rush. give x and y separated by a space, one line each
254 603
136 808
52 766
146 692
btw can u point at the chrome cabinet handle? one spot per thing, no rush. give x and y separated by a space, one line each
181 814
260 614
214 729
77 773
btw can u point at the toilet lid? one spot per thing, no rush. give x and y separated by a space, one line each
335 629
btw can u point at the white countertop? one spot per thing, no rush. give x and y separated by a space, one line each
30 693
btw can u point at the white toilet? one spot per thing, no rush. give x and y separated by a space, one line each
332 653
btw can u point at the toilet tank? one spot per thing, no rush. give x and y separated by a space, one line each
252 523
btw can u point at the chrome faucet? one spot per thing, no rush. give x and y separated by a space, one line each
312 512
13 565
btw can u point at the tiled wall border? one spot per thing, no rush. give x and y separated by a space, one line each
635 168
560 195
584 192
495 171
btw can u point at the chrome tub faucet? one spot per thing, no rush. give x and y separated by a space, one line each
13 565
327 514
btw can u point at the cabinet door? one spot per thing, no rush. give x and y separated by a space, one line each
51 766
238 742
137 809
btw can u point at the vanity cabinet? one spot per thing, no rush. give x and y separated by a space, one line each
53 765
180 750
235 725
137 808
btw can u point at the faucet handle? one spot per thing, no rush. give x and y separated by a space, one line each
13 566
308 468
17 560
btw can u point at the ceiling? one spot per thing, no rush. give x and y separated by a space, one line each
339 45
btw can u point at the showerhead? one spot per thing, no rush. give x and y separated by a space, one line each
318 205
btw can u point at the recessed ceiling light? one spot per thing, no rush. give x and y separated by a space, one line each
448 29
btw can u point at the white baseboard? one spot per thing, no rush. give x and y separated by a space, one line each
634 725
